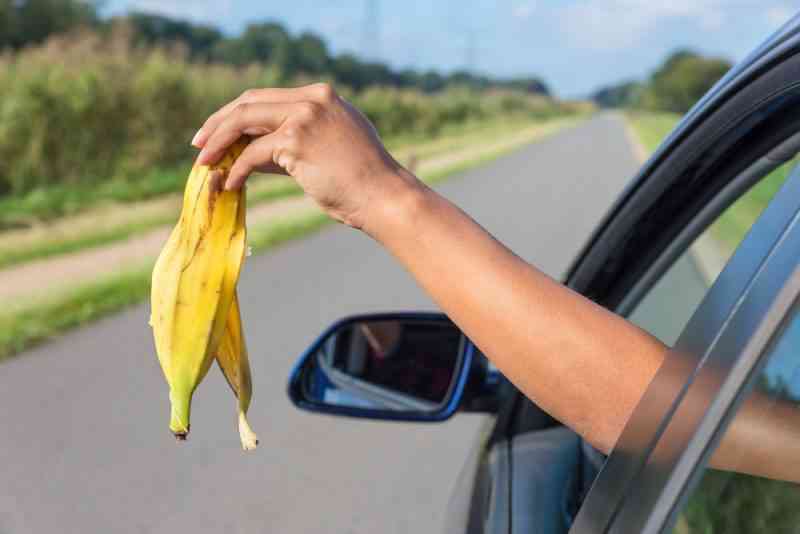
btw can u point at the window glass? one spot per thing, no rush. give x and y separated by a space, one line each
764 441
667 307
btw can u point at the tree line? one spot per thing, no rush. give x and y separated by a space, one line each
680 81
28 22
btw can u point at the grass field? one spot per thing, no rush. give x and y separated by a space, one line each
731 227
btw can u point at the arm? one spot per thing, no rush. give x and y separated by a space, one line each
578 361
560 349
581 363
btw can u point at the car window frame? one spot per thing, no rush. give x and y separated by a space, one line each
595 272
625 492
726 367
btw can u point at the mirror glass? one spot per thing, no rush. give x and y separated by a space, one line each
396 365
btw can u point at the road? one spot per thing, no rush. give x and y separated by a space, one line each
85 445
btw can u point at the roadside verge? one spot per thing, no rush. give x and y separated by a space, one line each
95 286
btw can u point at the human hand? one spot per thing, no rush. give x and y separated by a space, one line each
313 135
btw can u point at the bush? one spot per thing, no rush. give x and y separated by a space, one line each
87 109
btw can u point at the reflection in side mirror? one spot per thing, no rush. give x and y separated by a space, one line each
394 366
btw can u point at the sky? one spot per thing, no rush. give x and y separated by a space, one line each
576 46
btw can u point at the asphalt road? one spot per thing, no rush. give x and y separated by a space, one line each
85 446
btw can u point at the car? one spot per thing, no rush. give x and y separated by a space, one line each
722 293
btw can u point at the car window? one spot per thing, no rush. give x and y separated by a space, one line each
736 503
667 307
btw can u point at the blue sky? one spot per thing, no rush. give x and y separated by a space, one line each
575 45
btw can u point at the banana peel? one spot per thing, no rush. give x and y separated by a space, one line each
194 305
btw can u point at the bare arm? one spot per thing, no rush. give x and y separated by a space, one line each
581 363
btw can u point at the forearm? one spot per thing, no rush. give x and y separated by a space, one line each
581 363
762 440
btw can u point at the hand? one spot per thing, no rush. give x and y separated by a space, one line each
313 135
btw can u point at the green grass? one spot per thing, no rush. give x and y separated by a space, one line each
730 228
734 223
69 199
15 254
652 127
30 324
54 201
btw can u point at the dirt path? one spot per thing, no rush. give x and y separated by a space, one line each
36 278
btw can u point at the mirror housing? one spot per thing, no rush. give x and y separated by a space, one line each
391 366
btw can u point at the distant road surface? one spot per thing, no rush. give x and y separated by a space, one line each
85 447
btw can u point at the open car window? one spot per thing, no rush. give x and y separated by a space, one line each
762 439
681 417
666 308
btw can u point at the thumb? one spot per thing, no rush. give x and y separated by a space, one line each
257 156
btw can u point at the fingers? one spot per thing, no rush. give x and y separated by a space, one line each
244 119
259 155
318 92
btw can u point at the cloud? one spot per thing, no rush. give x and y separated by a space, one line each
616 24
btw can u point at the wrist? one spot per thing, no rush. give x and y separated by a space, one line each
395 212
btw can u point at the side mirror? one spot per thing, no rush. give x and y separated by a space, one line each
397 366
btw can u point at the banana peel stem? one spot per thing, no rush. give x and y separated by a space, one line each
246 434
179 415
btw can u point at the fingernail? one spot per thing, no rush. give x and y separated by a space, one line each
229 185
196 139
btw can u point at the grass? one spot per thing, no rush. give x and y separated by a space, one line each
730 228
11 256
35 322
55 201
652 127
130 220
29 325
14 252
734 223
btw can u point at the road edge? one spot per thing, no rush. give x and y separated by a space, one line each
44 320
703 252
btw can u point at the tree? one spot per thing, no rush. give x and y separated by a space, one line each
347 69
24 22
624 94
267 42
309 54
682 79
157 29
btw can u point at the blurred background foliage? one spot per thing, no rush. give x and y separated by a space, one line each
675 86
107 104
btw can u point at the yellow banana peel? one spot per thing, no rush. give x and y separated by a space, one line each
194 306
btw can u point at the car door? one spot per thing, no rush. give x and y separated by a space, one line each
746 373
650 254
740 139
